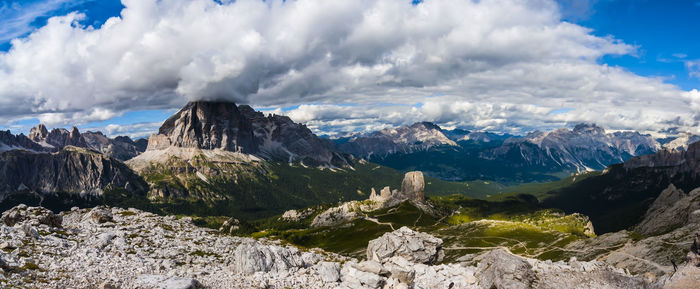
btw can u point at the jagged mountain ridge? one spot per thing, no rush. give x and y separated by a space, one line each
40 139
585 147
404 139
463 155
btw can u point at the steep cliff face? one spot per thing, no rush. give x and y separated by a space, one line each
281 138
677 162
72 170
207 125
618 198
671 210
121 147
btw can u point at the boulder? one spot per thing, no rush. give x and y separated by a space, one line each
413 246
100 215
401 270
353 277
329 271
413 186
251 257
500 269
229 226
32 216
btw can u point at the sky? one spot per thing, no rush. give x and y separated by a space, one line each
509 66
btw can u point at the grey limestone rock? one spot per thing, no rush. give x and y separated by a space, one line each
31 215
251 257
672 209
413 186
100 215
329 271
414 246
501 269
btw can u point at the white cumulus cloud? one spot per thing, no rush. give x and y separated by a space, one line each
350 64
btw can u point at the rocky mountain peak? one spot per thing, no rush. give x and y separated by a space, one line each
38 133
207 125
74 133
226 126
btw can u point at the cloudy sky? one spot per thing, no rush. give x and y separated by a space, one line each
353 65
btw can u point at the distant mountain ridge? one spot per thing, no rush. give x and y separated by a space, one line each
404 139
463 155
585 147
40 139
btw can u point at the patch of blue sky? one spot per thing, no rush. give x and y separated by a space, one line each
664 32
132 117
18 18
561 110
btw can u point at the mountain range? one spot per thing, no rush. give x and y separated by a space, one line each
41 139
460 155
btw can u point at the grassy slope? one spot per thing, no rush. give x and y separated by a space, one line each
517 223
259 192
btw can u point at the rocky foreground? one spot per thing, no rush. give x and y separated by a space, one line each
118 248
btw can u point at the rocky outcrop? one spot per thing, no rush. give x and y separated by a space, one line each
33 216
496 269
226 126
671 210
297 215
57 137
415 247
337 215
230 226
72 170
252 256
413 186
677 162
